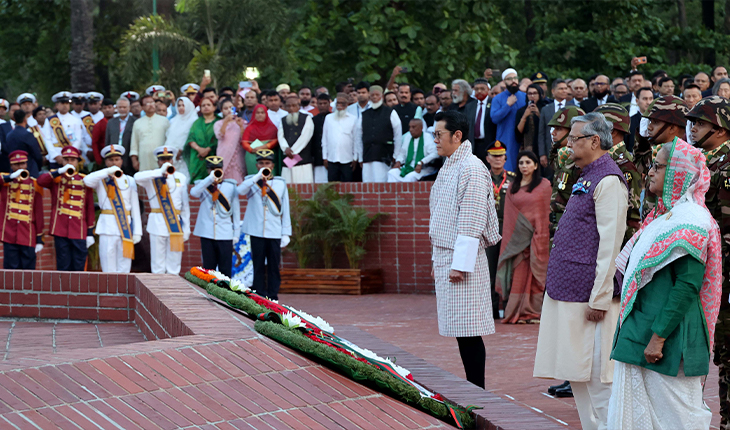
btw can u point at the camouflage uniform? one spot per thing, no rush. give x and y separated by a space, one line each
716 110
619 116
671 110
566 173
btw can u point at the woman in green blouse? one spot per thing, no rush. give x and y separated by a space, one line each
201 141
669 303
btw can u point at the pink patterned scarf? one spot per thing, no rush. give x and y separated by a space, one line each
679 225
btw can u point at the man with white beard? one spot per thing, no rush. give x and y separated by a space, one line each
378 138
294 136
338 142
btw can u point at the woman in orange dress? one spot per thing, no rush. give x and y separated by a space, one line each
523 259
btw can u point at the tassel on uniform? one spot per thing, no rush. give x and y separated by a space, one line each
66 193
128 248
177 244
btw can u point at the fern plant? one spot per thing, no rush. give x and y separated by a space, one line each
351 226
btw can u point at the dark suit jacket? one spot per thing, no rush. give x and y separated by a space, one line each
544 140
22 139
112 138
630 139
490 129
406 113
5 129
590 104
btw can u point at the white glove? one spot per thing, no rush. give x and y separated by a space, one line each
65 169
38 247
236 235
14 175
136 238
186 236
90 241
285 241
110 170
259 175
163 169
212 176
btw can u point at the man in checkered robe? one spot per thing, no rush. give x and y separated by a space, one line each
463 224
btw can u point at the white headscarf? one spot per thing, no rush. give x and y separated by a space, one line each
177 133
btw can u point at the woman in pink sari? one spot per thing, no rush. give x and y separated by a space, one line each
228 132
523 259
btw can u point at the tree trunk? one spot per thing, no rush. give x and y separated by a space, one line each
82 46
708 21
529 28
726 24
681 14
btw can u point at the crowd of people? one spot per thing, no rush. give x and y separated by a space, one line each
568 175
612 205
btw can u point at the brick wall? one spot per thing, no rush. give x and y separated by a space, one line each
401 247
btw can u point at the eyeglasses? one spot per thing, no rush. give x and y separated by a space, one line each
573 139
600 84
439 133
510 78
656 166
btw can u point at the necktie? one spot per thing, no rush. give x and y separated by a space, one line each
478 128
560 105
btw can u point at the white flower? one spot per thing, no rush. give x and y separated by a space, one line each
375 357
315 321
292 321
239 286
219 275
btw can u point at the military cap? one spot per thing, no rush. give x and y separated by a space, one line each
214 162
189 88
264 154
25 97
497 148
70 152
670 109
61 97
131 95
18 156
539 78
563 116
165 151
153 89
4 103
79 97
112 150
617 114
713 109
94 96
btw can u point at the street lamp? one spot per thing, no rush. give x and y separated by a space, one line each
252 73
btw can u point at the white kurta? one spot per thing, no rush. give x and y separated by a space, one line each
463 223
566 340
148 133
303 174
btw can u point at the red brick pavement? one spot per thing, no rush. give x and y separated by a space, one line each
203 367
409 321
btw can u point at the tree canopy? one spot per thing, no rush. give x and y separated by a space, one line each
321 42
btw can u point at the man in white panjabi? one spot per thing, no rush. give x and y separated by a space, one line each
463 223
378 137
295 135
581 304
417 153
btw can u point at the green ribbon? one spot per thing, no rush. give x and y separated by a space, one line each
406 169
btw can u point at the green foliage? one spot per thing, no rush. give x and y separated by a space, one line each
351 225
300 243
321 216
361 372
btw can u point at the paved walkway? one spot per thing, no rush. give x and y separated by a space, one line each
24 339
409 322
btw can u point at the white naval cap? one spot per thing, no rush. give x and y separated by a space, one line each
4 103
79 97
111 150
25 97
190 88
93 96
62 96
165 151
131 95
153 89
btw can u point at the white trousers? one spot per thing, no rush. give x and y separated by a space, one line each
320 175
394 175
375 171
111 255
592 397
162 259
298 174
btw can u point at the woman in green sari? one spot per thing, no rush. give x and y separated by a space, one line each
201 141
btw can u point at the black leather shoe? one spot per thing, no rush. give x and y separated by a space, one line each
553 388
564 392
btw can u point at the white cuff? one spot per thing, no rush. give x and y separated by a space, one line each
465 253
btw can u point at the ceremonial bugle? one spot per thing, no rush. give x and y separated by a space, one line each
170 170
70 173
118 174
24 174
266 172
218 173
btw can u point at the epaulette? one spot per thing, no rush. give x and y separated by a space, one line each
279 178
511 173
